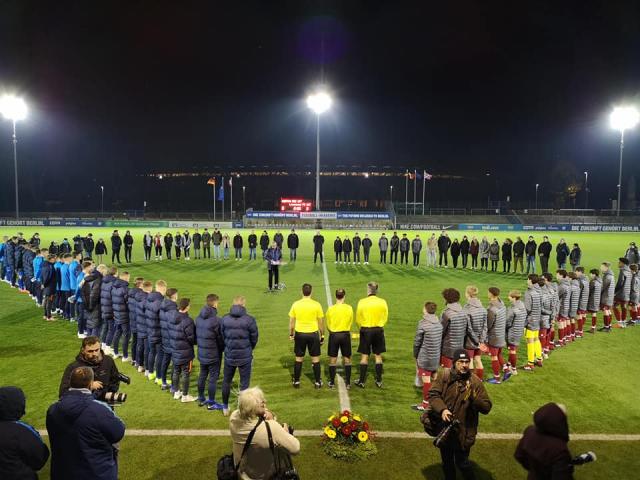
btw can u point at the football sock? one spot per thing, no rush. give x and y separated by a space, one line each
513 359
479 373
297 370
594 321
332 373
378 372
426 386
316 371
616 312
363 372
347 373
495 366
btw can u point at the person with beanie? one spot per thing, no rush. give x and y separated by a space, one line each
427 346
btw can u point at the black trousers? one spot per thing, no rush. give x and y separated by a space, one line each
404 257
168 250
115 253
443 255
356 256
147 252
315 256
416 259
454 260
394 256
465 258
544 263
127 253
383 256
206 251
454 456
274 274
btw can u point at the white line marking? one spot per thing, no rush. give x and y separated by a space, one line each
345 401
593 437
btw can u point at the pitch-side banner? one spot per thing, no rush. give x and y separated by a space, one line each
364 215
427 226
494 227
272 215
195 224
319 215
45 222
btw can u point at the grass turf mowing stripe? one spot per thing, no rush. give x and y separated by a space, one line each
345 401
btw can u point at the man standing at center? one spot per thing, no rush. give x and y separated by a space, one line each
394 245
444 242
306 330
318 242
371 315
292 244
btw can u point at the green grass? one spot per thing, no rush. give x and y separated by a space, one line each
592 377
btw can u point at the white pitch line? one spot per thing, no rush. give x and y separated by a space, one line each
345 401
593 437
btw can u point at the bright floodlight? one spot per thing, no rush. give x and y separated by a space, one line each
319 102
13 108
623 118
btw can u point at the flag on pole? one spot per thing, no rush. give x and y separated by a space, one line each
221 191
427 176
412 176
211 181
231 181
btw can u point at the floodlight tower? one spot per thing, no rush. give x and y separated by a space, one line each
319 102
13 108
623 118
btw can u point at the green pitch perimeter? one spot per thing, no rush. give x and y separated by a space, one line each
595 377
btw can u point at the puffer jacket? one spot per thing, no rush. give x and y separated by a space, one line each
106 306
9 254
634 296
584 293
141 318
152 317
90 292
337 245
383 244
574 298
168 311
133 309
210 341
595 290
516 319
456 325
346 246
427 344
484 249
183 338
119 298
546 306
240 334
518 249
27 263
494 252
555 299
533 304
478 316
496 324
632 255
608 288
623 287
564 294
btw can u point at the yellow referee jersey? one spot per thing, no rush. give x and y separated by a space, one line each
339 317
307 312
372 311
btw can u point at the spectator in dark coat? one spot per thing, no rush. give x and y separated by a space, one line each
464 251
119 303
273 257
474 251
90 291
116 244
210 348
89 245
106 308
168 310
562 252
279 239
530 250
206 243
237 246
183 338
252 240
366 248
240 334
128 246
543 449
506 255
168 244
154 331
518 254
575 256
318 242
264 242
337 248
357 243
101 249
197 243
394 246
443 247
22 451
292 244
405 246
494 255
83 432
346 249
544 252
455 252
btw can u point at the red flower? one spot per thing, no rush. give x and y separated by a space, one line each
346 412
346 431
336 422
365 426
353 425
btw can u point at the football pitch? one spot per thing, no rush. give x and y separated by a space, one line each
596 377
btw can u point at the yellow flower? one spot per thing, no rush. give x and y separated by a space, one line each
363 436
344 419
331 434
332 417
357 418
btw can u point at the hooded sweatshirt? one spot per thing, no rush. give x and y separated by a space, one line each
22 451
543 449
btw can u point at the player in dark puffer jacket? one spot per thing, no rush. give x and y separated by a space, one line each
119 300
456 324
133 318
141 322
210 348
106 309
183 338
168 310
154 333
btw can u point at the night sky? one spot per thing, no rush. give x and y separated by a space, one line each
117 89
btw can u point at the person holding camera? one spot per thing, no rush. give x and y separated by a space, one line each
83 432
106 377
254 424
457 397
543 450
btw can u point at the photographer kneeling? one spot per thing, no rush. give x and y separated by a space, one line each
106 376
458 395
257 462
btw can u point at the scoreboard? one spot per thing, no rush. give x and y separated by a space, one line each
295 205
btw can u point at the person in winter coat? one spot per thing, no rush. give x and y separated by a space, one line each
530 250
237 246
89 245
153 347
456 325
607 295
575 256
101 249
226 243
632 254
494 255
474 250
564 299
216 239
533 304
210 348
22 451
116 245
252 241
206 244
264 242
366 248
147 243
357 243
432 250
183 338
273 257
128 246
516 320
458 394
595 291
91 290
543 449
292 244
484 254
506 255
240 336
133 318
394 246
496 329
346 250
455 252
562 252
427 348
119 303
337 249
544 252
464 251
518 254
186 245
416 248
83 433
106 308
141 323
622 292
634 295
383 245
444 242
478 326
168 244
197 243
167 313
157 246
177 244
279 239
582 301
404 246
318 242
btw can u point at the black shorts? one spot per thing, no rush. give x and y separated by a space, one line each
339 341
306 341
372 340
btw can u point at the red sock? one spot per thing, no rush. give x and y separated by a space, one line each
426 386
513 359
573 329
616 312
500 359
561 334
594 321
624 312
495 366
479 373
634 312
580 324
607 320
543 337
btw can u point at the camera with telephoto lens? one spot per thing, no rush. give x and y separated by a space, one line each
117 398
444 434
584 458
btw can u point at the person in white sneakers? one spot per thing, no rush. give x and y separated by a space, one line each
183 338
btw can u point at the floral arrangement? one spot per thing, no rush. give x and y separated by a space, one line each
346 436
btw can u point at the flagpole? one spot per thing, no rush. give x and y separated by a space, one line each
415 182
214 198
222 187
424 182
231 196
406 192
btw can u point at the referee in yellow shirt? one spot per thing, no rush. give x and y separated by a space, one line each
307 332
339 319
371 315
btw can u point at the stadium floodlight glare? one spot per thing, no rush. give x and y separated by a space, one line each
621 119
318 102
13 108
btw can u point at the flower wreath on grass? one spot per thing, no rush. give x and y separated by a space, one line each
346 436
